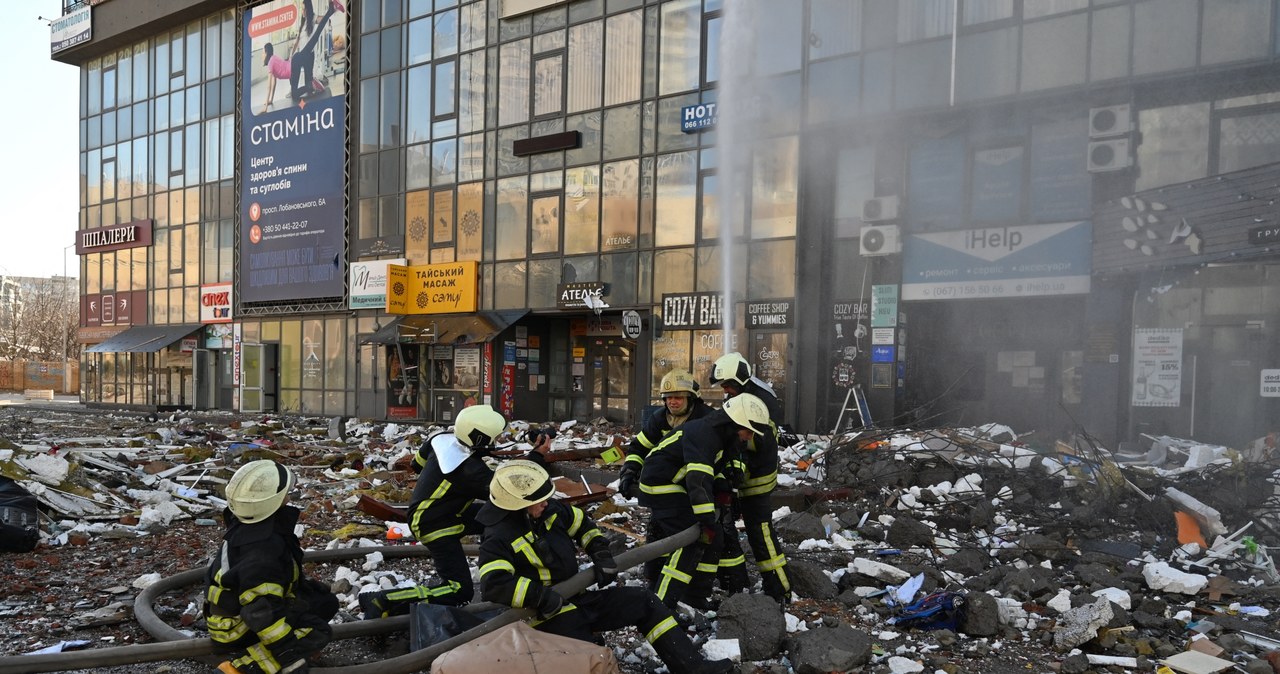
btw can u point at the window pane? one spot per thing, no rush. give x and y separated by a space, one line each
1053 52
773 269
444 158
418 166
581 210
544 231
996 190
512 218
710 206
773 189
923 19
544 276
676 198
1245 142
622 132
715 27
619 271
418 105
391 52
624 43
1109 50
473 26
471 92
369 115
833 89
619 194
778 28
672 271
446 89
1235 30
471 157
446 33
1036 8
509 282
389 121
982 11
1175 145
419 41
835 27
586 53
987 64
1164 35
681 46
513 83
548 83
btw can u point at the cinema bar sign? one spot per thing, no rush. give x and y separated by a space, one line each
136 234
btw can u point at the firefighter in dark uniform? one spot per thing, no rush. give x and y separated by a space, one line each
529 546
259 606
453 482
680 403
677 485
758 467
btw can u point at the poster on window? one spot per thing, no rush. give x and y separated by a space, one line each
442 366
402 381
466 367
1157 368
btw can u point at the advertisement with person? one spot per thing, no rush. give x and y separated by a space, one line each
293 150
402 381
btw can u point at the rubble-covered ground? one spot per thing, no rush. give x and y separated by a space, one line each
1064 558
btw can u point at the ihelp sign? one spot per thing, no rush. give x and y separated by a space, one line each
215 303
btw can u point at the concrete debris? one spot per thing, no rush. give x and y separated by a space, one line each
1054 548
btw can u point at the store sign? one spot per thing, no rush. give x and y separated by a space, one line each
135 234
631 324
1270 384
692 311
694 118
70 30
215 303
1018 261
1261 236
445 288
368 284
884 306
771 314
574 295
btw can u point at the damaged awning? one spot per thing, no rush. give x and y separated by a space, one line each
145 338
445 329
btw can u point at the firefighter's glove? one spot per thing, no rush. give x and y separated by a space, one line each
629 479
605 567
708 535
550 603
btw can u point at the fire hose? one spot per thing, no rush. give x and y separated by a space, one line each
175 644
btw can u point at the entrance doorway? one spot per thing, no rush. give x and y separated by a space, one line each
1227 409
610 371
258 377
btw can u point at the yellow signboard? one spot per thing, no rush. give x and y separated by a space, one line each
446 288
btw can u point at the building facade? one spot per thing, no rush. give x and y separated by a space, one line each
1051 213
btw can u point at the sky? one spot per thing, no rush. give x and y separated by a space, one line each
39 131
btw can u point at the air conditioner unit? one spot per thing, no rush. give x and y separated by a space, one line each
880 208
1112 120
1109 155
880 240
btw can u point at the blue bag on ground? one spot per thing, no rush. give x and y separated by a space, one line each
937 611
429 624
19 526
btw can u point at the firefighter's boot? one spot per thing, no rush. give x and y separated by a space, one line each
682 657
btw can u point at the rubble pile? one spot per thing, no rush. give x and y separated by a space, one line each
952 550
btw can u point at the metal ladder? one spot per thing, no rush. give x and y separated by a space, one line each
859 405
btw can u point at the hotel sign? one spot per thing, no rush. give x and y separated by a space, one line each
136 234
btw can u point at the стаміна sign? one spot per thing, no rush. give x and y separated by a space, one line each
293 154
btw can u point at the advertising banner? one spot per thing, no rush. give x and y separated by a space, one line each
369 284
445 288
215 303
1017 261
1157 367
293 151
70 30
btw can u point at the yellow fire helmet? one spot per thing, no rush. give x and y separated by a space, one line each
258 489
519 484
748 411
678 381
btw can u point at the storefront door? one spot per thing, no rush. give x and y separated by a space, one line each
610 368
1228 408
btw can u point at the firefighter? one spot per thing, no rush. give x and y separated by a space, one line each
759 470
680 403
454 479
259 606
529 546
677 485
